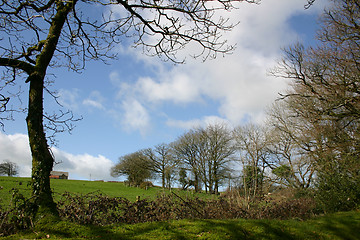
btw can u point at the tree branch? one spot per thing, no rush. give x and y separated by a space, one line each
18 64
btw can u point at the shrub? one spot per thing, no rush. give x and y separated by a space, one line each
296 208
92 208
146 185
98 209
19 216
338 192
282 204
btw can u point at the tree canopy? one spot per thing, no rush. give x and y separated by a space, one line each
136 166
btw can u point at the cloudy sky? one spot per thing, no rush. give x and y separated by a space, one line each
138 101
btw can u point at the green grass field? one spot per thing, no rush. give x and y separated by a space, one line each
59 186
344 225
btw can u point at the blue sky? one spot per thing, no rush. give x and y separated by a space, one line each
138 101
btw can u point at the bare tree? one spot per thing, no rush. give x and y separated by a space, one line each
9 168
163 162
218 151
186 150
207 154
289 145
3 101
252 147
39 35
325 96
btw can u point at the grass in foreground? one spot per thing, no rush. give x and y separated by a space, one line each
343 225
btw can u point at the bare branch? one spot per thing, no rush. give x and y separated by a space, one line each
309 4
3 102
17 64
58 123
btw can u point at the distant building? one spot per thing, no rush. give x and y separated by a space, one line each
59 175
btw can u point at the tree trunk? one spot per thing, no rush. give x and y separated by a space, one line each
216 181
216 187
196 182
42 160
163 173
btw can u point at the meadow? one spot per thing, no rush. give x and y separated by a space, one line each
60 186
343 225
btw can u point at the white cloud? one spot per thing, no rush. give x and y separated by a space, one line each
15 148
203 122
178 89
239 82
69 98
241 85
129 110
115 78
81 166
136 117
95 100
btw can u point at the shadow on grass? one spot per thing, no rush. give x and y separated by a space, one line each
241 229
337 226
67 230
342 225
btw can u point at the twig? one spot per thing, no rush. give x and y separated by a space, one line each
189 205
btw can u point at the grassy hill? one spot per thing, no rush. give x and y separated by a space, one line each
344 225
59 186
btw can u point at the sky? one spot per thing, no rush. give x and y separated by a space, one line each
139 101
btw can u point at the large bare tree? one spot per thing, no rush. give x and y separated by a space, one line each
163 162
252 146
37 35
217 152
186 150
207 154
325 96
289 145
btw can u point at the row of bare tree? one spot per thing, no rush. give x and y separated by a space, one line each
210 157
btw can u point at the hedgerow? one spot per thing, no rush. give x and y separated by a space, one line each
98 209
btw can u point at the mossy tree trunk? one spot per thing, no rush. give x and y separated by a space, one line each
42 159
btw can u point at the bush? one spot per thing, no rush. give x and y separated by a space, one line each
92 208
296 208
338 192
98 209
146 185
282 204
19 216
95 208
